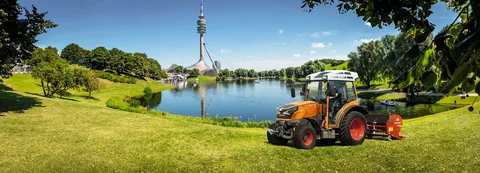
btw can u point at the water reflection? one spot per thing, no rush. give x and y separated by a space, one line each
238 99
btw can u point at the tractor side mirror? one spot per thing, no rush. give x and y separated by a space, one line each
292 91
331 91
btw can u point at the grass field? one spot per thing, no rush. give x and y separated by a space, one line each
203 79
338 67
26 84
54 135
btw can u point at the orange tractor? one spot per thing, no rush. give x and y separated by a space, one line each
329 112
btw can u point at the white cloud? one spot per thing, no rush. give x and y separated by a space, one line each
334 51
302 34
367 40
318 45
319 34
282 43
368 24
225 50
280 31
313 52
330 44
315 35
327 33
297 55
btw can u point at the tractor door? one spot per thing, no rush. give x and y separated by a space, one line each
336 103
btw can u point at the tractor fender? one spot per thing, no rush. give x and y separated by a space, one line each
315 124
357 108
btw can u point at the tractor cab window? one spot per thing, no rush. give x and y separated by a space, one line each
337 102
315 91
350 91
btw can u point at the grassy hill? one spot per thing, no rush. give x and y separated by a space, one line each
56 135
338 67
26 84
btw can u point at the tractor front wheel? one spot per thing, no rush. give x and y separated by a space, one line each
353 129
275 140
304 137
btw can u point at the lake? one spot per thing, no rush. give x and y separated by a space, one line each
249 100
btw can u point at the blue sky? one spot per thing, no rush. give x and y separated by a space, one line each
258 34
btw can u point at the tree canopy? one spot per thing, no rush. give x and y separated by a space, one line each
450 60
114 60
18 30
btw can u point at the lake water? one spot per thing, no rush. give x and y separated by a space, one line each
250 100
241 99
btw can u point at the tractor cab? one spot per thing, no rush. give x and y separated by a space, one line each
329 112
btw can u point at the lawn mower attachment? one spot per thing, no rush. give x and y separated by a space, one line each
384 126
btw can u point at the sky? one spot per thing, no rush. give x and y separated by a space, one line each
252 34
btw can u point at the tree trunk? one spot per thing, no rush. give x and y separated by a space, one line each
89 94
43 88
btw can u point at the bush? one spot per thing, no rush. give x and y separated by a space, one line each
115 78
147 93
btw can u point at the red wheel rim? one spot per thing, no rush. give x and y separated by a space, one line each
357 129
307 138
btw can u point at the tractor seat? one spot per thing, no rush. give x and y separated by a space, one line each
381 119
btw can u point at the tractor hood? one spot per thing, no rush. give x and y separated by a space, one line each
298 110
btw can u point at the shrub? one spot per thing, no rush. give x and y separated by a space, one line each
115 78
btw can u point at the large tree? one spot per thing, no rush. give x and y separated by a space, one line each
99 58
450 62
368 61
55 74
75 54
18 30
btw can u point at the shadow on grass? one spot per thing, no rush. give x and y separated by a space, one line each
69 99
10 101
90 98
4 87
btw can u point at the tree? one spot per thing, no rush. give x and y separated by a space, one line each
368 62
99 58
88 80
178 69
55 74
18 33
450 61
194 72
74 54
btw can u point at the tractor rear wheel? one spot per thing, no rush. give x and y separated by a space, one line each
275 140
353 128
304 137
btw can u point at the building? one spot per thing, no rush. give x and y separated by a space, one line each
21 68
201 65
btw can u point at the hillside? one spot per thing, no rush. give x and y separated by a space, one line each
338 67
56 135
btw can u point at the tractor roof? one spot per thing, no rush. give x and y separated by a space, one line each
341 75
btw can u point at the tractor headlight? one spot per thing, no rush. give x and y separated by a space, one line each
286 111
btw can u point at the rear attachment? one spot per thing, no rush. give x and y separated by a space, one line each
384 126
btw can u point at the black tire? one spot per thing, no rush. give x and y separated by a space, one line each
353 120
304 137
274 139
327 142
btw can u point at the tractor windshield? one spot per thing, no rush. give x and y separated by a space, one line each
316 91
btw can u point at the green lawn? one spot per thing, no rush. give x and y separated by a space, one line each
338 67
55 135
203 79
